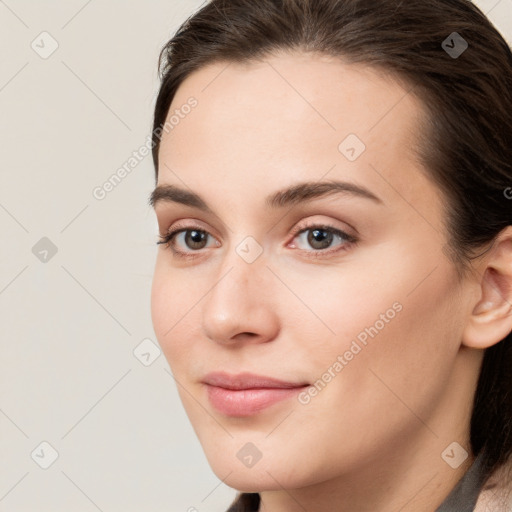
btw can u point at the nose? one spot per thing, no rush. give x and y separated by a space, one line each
241 307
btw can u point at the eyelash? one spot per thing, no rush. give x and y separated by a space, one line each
319 253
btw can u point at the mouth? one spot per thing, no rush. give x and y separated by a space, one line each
246 394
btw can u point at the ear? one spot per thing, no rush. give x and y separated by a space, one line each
491 319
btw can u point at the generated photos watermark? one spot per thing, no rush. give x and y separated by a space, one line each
100 192
355 348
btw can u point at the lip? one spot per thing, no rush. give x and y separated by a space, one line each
247 380
245 394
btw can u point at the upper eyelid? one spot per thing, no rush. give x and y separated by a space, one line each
298 229
179 228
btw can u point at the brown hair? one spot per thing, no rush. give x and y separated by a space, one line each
465 141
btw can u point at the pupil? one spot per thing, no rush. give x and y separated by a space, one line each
319 237
195 238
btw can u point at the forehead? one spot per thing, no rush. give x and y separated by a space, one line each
291 117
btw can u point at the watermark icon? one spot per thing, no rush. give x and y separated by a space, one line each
147 352
249 249
352 147
454 455
44 45
44 455
355 348
249 454
508 192
44 250
454 45
101 191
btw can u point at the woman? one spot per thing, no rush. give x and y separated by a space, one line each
333 288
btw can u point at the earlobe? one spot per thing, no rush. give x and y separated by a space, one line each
491 318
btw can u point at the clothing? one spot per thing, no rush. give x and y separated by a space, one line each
467 496
496 494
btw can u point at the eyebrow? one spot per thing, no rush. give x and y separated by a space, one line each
305 191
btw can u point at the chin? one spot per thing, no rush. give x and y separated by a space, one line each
246 481
272 472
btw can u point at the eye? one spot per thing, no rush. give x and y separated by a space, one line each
321 237
191 237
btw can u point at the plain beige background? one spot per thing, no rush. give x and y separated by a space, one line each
80 368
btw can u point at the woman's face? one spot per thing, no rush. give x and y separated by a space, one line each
345 287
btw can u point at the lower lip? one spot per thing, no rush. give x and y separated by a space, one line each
246 402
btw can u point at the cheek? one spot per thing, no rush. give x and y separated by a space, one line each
396 311
170 303
404 360
341 305
397 332
161 302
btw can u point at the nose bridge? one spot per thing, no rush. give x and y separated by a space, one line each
240 300
244 270
240 281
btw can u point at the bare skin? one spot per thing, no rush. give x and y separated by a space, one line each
373 437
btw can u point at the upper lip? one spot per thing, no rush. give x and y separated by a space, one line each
247 380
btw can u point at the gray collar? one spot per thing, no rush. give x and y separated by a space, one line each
464 495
